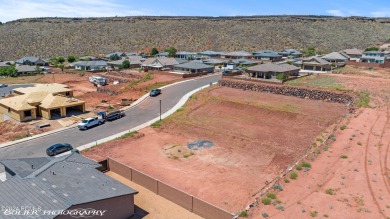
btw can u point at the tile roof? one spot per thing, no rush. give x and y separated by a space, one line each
315 59
353 51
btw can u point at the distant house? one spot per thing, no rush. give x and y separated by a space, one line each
135 62
213 62
132 54
61 185
242 62
90 65
353 53
87 58
30 60
159 63
6 63
193 67
26 69
375 57
210 53
314 63
186 55
43 100
336 57
237 55
162 54
270 70
119 54
290 53
181 61
267 55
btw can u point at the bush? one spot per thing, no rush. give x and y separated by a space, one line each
266 201
306 164
286 180
278 187
281 76
298 167
314 213
271 195
264 214
243 214
293 175
344 156
329 191
343 127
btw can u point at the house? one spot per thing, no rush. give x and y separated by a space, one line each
90 65
213 62
162 54
159 63
267 55
237 55
314 63
30 60
271 70
6 63
353 53
186 55
242 62
193 67
119 54
42 100
87 58
181 61
58 186
135 62
375 57
336 57
26 69
210 53
132 54
291 53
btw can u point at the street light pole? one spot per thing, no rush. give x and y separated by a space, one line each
160 110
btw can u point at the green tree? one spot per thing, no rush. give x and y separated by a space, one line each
71 59
289 62
38 69
114 57
125 64
54 61
281 76
309 51
61 59
154 52
171 51
8 71
371 49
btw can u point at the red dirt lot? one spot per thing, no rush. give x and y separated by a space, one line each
351 176
256 136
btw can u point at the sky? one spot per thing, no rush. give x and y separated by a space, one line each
17 9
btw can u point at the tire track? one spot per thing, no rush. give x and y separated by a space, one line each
384 170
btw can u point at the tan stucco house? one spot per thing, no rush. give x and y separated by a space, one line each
42 100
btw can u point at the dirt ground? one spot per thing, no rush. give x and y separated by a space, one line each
250 131
86 91
150 205
350 178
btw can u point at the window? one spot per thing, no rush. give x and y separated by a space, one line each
67 93
27 113
9 109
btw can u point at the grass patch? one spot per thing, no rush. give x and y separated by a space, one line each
329 191
129 134
315 81
188 155
243 214
271 195
344 156
306 164
266 201
298 167
156 124
363 99
343 127
286 180
293 175
154 86
18 137
314 213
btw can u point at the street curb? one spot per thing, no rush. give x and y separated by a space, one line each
56 131
181 103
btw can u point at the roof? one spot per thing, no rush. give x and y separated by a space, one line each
116 62
91 63
210 53
58 183
238 53
17 103
290 52
271 67
51 101
132 54
87 57
194 65
49 88
180 61
212 61
163 54
267 53
6 63
186 53
242 61
115 53
315 60
26 68
28 58
353 51
160 62
335 56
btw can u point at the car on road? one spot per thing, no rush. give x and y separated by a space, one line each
155 92
90 122
115 115
3 85
58 149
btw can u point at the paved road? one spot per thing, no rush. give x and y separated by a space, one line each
144 112
6 90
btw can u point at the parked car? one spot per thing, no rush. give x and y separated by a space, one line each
115 115
3 85
90 122
58 149
155 92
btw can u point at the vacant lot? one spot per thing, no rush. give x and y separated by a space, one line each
256 136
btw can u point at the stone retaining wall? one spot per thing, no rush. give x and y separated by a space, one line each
108 91
290 91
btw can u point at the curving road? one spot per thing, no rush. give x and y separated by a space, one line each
143 112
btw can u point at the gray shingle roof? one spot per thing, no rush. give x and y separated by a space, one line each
267 53
238 53
28 58
212 61
271 67
185 53
91 63
115 53
335 56
316 59
57 183
194 65
25 68
242 61
210 53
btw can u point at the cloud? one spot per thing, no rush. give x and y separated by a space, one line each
335 13
382 13
16 9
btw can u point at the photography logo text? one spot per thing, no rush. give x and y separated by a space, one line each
35 212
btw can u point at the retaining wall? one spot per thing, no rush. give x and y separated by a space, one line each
327 96
173 194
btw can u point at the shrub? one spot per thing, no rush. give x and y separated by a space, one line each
344 156
363 99
271 195
266 201
278 187
343 127
264 214
359 143
329 191
281 76
314 213
294 175
286 180
280 207
298 167
243 214
306 164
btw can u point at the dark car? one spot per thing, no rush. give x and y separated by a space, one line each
58 149
155 92
115 115
3 85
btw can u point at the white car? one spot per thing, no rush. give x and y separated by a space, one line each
90 122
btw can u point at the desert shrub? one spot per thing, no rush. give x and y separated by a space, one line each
286 180
314 213
293 175
243 214
298 167
265 215
266 201
329 191
281 76
344 156
306 164
343 127
271 195
278 187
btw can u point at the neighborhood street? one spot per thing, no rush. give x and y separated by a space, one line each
144 112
